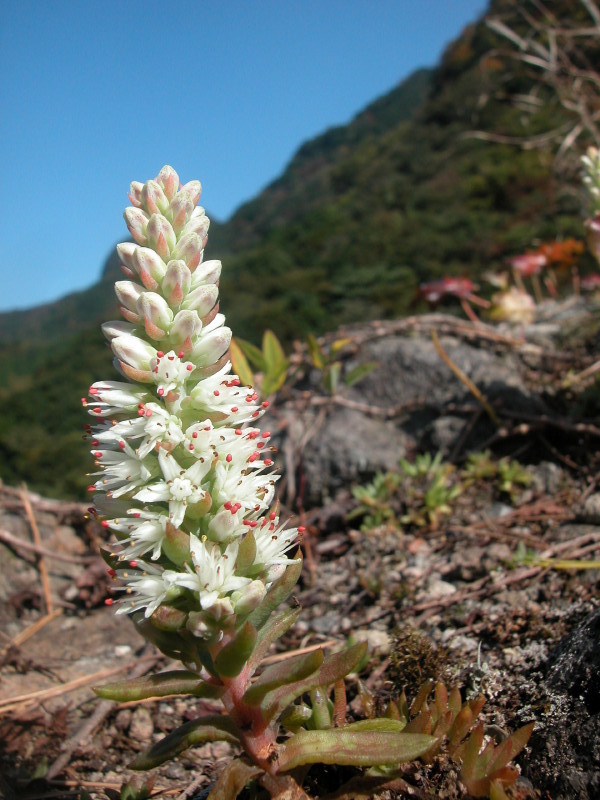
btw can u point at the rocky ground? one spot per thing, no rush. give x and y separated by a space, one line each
483 587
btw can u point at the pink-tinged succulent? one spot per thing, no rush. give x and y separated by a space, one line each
457 287
528 264
591 283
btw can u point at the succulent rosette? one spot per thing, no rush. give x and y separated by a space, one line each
184 479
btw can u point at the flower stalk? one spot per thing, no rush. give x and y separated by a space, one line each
186 485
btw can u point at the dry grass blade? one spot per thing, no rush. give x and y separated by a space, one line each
38 541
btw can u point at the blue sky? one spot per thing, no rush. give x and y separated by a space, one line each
96 93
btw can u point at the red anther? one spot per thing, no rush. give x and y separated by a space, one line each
251 523
92 511
265 434
301 528
253 434
227 505
171 358
256 414
95 442
98 454
191 447
148 412
109 601
160 392
216 393
195 435
110 571
83 402
265 404
234 409
236 382
237 506
180 354
122 445
105 524
133 564
272 516
97 411
136 514
267 462
263 523
259 445
229 458
159 354
92 390
238 431
140 412
254 456
272 526
91 487
190 367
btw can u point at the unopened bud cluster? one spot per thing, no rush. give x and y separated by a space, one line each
184 479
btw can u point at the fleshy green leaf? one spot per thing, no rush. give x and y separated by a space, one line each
164 684
285 672
231 659
358 373
278 593
316 354
349 747
253 354
212 728
240 364
338 345
334 667
269 633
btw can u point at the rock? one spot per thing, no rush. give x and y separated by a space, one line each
141 727
344 443
566 746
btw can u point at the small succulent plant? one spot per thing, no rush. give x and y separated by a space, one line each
203 563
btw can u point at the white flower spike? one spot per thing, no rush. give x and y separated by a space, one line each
185 479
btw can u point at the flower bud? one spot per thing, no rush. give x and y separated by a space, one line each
199 223
126 251
176 283
176 545
210 348
202 299
116 328
168 179
224 526
181 210
189 248
209 272
133 351
156 313
185 329
248 598
153 198
194 189
160 236
150 267
137 222
135 193
128 294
